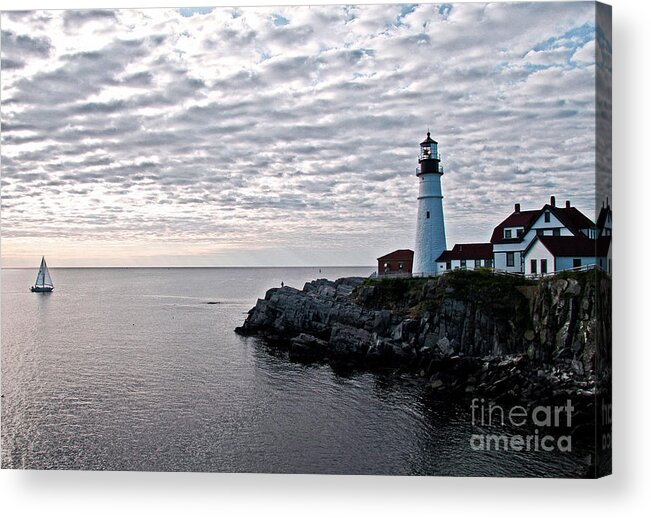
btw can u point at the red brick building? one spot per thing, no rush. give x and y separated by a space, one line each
396 263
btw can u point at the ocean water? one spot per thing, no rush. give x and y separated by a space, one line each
132 369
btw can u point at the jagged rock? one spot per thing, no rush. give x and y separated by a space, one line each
573 287
444 346
577 366
306 346
385 352
348 342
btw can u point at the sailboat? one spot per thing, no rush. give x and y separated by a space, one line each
43 282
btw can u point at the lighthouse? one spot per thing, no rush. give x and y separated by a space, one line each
430 226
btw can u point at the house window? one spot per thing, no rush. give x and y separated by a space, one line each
534 266
543 266
556 232
488 263
507 234
540 231
510 259
519 232
448 265
399 266
576 263
477 263
427 214
463 263
547 217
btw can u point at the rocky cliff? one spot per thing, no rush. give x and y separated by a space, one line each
408 323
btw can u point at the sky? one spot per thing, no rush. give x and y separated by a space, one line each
275 136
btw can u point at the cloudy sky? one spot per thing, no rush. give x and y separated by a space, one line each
284 136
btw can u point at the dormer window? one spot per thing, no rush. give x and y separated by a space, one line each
507 233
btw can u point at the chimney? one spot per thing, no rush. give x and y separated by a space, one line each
567 204
517 208
552 201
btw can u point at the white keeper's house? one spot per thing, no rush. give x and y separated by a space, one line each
538 242
514 236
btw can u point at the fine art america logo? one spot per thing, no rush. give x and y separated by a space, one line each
543 420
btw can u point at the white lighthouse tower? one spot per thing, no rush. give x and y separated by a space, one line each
430 227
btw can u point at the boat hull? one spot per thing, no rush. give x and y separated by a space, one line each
41 289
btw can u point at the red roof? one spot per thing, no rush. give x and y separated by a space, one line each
518 219
468 251
398 255
574 246
570 217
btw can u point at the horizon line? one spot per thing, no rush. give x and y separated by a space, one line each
177 266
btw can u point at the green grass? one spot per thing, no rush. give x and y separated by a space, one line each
493 293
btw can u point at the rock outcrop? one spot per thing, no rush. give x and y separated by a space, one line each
464 331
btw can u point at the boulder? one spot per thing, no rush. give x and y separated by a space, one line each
349 343
306 346
445 347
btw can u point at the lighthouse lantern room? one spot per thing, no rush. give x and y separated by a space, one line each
430 226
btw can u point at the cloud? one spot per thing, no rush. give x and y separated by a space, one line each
24 45
586 53
288 127
76 18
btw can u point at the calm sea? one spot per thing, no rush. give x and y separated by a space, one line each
132 369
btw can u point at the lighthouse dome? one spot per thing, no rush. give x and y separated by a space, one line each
428 141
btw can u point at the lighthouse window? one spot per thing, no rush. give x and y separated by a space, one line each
427 214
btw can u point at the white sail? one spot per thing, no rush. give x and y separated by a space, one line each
43 277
